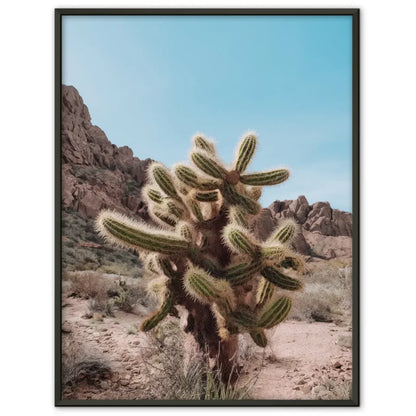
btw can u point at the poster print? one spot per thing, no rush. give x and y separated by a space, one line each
207 207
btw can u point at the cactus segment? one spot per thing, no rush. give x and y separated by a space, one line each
163 218
203 144
235 198
196 210
274 312
207 196
152 194
239 240
173 207
273 275
166 267
272 177
259 337
236 216
245 152
244 318
242 273
208 165
185 230
275 253
186 175
211 266
164 179
286 232
159 315
265 291
125 232
205 288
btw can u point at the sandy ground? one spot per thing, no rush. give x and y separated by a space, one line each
304 360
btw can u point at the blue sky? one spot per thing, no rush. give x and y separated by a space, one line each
151 82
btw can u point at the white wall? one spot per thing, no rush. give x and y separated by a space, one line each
388 113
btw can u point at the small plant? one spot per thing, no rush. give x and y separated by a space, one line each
204 255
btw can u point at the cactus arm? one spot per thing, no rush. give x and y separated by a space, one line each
202 143
259 337
285 232
233 197
207 289
245 152
242 273
132 234
160 314
274 312
273 275
152 194
272 177
239 240
207 164
237 216
243 318
163 178
206 196
265 291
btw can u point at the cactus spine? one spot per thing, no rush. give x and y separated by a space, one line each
203 255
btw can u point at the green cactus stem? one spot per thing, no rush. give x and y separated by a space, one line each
272 177
274 312
207 289
245 152
240 241
242 272
208 164
286 232
160 314
163 178
265 291
275 276
259 337
124 232
202 143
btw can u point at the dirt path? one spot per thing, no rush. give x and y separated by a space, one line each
304 360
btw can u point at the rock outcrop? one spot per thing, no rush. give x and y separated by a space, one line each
324 232
96 174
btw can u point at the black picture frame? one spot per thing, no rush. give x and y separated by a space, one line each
355 14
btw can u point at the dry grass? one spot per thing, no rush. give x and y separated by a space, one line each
105 293
330 389
171 380
79 366
326 297
101 256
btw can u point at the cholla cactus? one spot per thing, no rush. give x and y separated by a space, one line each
203 253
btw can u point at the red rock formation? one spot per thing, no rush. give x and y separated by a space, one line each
96 174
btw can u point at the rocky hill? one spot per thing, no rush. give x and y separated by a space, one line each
97 174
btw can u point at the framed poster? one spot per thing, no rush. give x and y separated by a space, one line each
207 207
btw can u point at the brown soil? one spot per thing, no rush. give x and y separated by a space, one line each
301 358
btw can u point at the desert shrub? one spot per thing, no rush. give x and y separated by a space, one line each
330 389
127 296
79 365
326 296
89 284
172 380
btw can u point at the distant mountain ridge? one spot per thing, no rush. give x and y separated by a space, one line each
97 174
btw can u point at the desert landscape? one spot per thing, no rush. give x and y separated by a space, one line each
104 300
